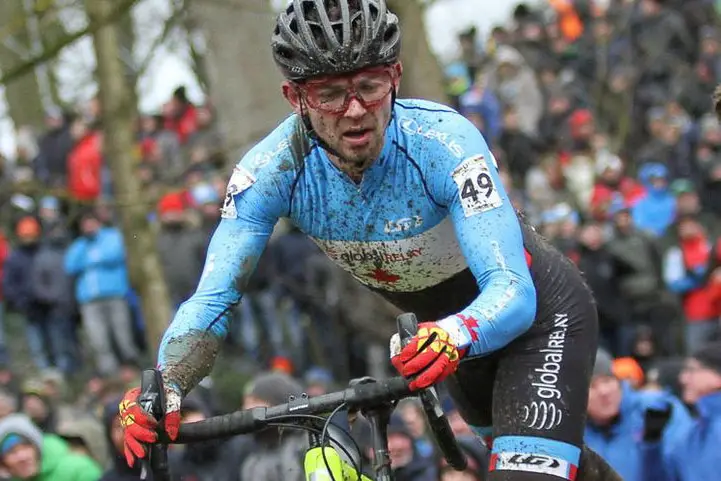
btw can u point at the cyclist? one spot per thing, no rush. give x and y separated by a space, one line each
406 196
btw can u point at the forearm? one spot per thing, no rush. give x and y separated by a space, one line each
191 344
504 310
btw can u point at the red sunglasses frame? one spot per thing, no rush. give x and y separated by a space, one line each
302 90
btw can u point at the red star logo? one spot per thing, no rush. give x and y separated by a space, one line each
472 324
383 276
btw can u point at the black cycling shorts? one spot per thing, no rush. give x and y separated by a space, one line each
531 396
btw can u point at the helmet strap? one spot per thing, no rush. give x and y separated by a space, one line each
305 118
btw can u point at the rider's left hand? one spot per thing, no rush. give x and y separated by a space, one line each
429 357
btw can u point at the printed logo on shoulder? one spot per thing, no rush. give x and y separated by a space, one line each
239 182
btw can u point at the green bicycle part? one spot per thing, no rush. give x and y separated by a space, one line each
336 469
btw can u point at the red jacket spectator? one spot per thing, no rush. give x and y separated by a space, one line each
187 123
612 185
174 202
629 190
704 302
84 167
184 118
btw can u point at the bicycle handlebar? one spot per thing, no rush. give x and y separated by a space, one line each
357 396
251 420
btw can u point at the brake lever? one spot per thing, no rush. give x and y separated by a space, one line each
407 325
152 400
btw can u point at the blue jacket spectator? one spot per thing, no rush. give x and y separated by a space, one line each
696 452
482 102
656 211
98 261
621 434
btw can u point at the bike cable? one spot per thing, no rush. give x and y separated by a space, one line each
325 435
357 466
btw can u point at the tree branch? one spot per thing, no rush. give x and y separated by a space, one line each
170 24
122 7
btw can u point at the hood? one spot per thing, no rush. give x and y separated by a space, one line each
273 387
90 432
651 170
22 426
510 55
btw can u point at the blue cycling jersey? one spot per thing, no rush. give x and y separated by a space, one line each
429 218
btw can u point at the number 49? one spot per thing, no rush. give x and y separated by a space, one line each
483 185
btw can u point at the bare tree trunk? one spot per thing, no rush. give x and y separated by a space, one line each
23 93
422 74
126 36
244 82
119 140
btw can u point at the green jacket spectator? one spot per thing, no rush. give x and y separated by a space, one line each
29 455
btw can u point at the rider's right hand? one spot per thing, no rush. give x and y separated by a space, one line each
139 426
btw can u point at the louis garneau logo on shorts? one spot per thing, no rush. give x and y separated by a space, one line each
545 412
533 463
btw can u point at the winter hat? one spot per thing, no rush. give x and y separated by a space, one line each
49 202
28 227
204 193
273 388
652 170
578 119
23 202
16 429
282 364
396 425
604 364
12 440
317 375
682 186
171 203
627 368
608 161
710 356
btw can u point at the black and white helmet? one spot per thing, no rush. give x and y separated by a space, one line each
328 37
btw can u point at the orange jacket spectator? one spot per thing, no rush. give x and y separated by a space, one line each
569 22
84 167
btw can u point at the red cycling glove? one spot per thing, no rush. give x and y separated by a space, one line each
140 426
429 357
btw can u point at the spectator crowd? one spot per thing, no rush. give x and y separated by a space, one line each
599 114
